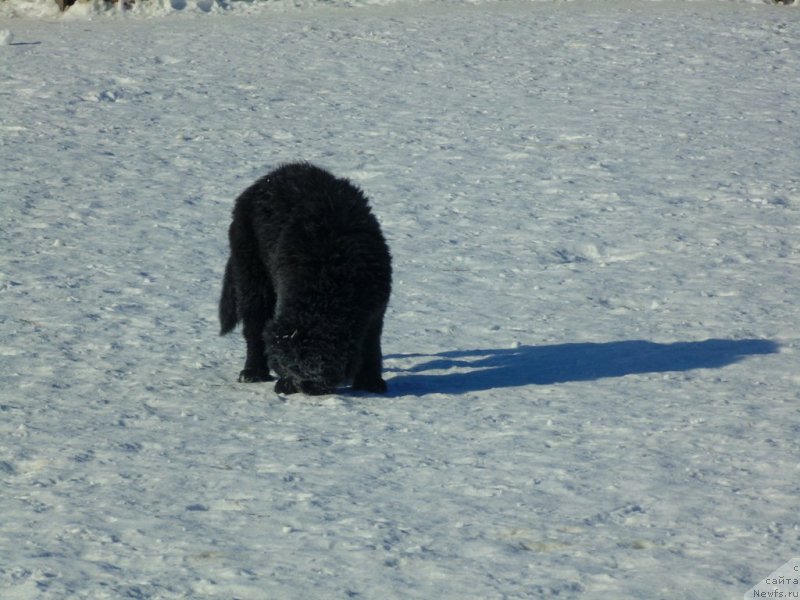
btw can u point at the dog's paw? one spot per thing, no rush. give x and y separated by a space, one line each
285 385
375 385
253 376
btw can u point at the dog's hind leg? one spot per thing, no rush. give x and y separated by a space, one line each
255 299
255 314
255 366
368 377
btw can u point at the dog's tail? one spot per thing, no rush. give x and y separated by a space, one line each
228 315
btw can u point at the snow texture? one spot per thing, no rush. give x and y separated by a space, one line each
592 344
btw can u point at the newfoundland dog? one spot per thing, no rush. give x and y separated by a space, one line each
309 277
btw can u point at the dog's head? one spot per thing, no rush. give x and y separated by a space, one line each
315 362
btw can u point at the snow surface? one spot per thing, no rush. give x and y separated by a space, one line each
592 345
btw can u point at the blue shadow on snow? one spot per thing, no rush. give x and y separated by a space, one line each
562 363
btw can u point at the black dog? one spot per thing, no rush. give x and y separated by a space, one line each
309 276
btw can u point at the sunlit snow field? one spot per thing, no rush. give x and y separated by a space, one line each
592 344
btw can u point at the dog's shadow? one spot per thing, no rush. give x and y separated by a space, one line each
462 371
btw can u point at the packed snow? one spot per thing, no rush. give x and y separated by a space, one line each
592 343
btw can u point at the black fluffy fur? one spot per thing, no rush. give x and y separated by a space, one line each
309 277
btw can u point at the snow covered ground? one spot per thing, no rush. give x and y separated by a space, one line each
592 346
